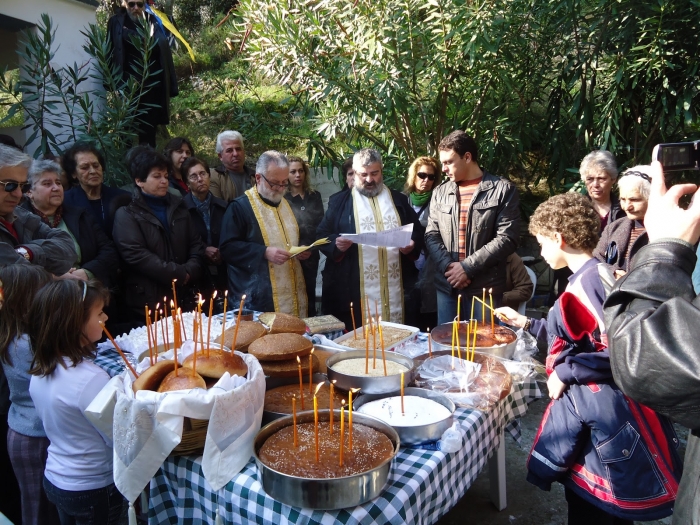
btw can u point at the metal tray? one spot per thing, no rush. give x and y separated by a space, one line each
274 382
370 385
505 351
414 435
324 494
414 332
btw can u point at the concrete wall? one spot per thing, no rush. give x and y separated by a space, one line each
70 17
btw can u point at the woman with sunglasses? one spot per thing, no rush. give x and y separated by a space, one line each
623 238
423 177
307 206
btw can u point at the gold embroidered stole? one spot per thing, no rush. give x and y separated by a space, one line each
280 230
380 267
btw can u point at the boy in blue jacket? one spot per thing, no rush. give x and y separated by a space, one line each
617 459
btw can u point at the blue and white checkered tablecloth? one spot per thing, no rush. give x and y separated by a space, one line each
423 484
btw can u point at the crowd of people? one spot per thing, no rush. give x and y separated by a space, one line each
76 253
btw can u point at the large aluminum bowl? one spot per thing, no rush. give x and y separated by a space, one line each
370 385
324 494
274 382
414 435
442 335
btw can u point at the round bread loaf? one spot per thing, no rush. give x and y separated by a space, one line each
288 368
280 347
280 323
151 378
248 332
216 362
185 379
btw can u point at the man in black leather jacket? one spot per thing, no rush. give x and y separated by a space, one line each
654 327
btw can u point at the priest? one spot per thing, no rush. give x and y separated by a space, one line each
257 234
355 272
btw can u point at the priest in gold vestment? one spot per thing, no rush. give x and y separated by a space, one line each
257 233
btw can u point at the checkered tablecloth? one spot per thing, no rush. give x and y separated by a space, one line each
423 484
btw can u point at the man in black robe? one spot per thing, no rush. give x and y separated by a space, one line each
381 280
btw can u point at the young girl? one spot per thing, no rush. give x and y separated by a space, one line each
26 440
64 324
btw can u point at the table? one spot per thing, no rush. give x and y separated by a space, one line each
423 484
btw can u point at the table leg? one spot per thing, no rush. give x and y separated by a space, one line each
497 475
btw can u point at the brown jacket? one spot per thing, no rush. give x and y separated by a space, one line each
221 184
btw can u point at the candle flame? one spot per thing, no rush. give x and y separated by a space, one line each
174 280
244 295
342 402
334 381
355 390
312 350
490 289
214 294
226 294
298 360
318 387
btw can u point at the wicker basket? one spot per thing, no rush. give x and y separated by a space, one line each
194 434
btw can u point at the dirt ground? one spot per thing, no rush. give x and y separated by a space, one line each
527 505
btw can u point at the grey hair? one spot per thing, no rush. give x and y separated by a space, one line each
227 135
42 166
598 160
365 157
12 157
628 181
271 157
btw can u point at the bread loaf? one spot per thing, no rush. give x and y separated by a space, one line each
280 347
185 379
248 332
280 323
217 362
151 378
289 368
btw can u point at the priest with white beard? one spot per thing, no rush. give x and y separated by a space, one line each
355 272
257 232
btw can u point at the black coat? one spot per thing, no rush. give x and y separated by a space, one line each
341 275
77 198
217 209
152 257
98 255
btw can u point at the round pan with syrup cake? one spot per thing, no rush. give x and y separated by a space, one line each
280 347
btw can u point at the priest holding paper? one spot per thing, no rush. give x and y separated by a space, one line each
374 267
258 237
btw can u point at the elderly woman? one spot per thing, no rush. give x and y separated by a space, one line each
623 238
177 150
97 256
307 206
207 213
85 165
156 238
598 172
423 175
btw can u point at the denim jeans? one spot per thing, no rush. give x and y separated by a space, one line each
447 307
105 506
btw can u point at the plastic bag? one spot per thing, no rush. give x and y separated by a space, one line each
451 440
525 346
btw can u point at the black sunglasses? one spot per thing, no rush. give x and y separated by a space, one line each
422 175
12 186
135 4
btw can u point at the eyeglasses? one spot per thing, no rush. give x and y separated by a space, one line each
196 176
13 185
135 4
274 185
637 174
422 176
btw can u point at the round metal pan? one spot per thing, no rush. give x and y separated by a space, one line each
442 334
274 382
370 385
324 494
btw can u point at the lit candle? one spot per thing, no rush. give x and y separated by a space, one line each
493 328
352 391
311 369
402 411
176 331
194 356
459 343
352 314
223 328
148 333
116 346
381 340
167 332
459 306
366 332
430 346
162 328
374 345
316 417
483 307
238 322
294 418
155 329
472 313
181 322
342 430
211 312
301 384
174 293
475 328
330 406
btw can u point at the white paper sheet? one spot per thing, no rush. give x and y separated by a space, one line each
393 238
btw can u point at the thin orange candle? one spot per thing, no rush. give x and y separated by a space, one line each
430 346
162 328
148 334
483 307
223 325
402 411
374 344
238 322
311 369
181 322
471 316
354 329
366 332
301 384
330 407
174 293
316 417
116 346
342 430
459 306
155 329
459 344
352 390
475 328
211 312
381 340
294 418
194 356
493 328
